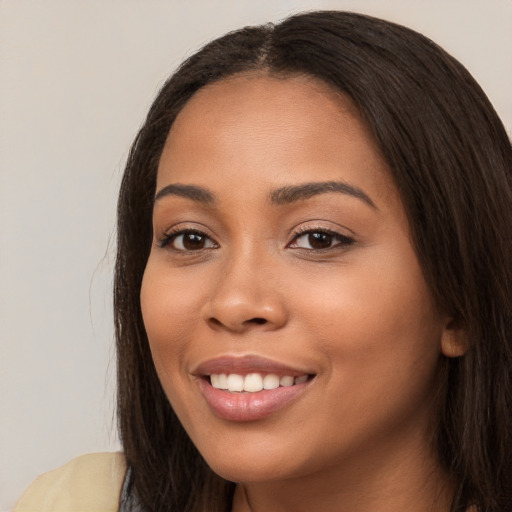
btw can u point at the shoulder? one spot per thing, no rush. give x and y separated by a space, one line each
88 483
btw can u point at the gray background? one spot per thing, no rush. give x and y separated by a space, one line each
76 81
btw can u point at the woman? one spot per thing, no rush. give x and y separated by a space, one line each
312 293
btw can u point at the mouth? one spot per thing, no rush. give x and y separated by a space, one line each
254 382
250 388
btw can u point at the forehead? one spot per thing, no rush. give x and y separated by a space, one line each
261 104
237 95
292 129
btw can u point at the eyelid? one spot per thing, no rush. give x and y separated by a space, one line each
170 234
345 240
174 232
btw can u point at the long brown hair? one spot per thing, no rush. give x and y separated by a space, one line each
451 161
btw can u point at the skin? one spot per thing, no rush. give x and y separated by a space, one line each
358 314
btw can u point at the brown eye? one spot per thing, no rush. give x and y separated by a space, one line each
189 241
193 241
320 240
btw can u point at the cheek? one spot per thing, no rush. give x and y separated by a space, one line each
170 311
380 339
376 316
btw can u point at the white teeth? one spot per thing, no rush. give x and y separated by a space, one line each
235 382
253 382
223 381
215 381
270 381
286 381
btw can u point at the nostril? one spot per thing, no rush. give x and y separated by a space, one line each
258 321
236 324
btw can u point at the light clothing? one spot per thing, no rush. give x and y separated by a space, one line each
90 483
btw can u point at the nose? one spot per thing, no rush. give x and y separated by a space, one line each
246 296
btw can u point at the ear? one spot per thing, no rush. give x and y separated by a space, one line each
454 341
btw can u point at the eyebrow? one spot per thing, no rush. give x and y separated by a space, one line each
291 194
198 194
280 196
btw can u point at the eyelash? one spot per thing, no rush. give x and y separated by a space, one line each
343 240
169 238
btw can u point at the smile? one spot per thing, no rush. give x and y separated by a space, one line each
253 382
250 388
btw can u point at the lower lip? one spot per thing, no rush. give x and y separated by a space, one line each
249 406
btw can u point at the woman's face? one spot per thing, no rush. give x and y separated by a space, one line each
282 255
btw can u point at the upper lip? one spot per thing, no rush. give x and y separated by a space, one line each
247 364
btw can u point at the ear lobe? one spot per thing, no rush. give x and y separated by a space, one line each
454 342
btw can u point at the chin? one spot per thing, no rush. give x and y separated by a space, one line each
256 465
258 472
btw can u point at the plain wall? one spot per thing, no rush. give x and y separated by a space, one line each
76 81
